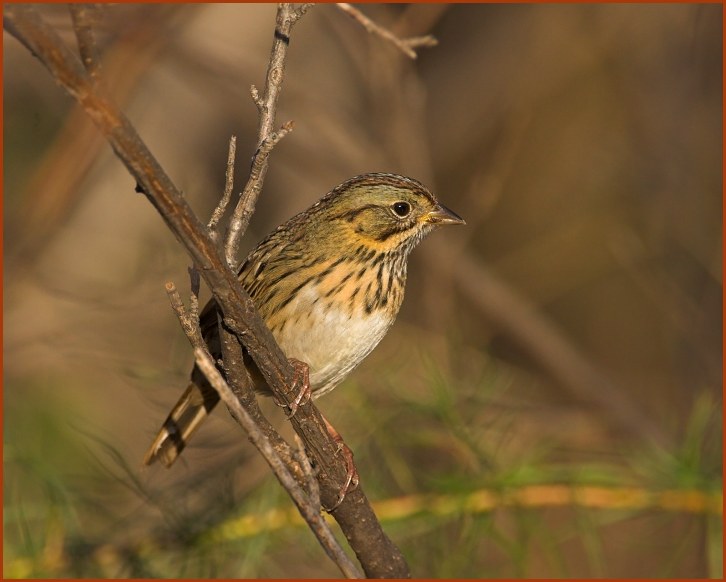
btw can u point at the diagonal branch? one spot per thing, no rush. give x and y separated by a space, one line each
84 17
310 513
377 554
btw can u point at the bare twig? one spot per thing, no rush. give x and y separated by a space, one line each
287 16
299 12
309 511
405 45
189 324
188 320
246 205
227 194
255 92
84 17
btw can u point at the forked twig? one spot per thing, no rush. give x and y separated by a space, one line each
287 16
405 45
246 206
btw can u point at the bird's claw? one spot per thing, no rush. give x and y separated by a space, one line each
351 476
302 378
351 482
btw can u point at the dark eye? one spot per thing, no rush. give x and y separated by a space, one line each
401 209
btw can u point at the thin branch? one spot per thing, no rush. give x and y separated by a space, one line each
255 92
189 324
246 206
405 45
287 16
310 512
189 320
227 194
300 11
84 16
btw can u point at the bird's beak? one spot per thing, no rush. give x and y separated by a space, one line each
442 215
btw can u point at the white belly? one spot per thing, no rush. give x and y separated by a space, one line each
338 339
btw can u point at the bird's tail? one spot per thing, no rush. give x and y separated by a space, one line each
188 413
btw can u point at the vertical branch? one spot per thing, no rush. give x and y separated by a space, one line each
246 206
287 17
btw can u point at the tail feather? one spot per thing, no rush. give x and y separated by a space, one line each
188 413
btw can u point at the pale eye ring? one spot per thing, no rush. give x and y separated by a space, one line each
401 209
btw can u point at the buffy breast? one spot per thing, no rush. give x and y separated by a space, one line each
341 332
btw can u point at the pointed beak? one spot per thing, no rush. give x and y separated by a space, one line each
442 215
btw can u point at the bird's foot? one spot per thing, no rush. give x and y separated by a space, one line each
351 476
300 378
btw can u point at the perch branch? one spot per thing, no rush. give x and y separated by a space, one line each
377 554
310 512
308 505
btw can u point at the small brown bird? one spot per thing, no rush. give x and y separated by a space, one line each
328 283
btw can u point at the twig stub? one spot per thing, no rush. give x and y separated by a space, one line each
227 194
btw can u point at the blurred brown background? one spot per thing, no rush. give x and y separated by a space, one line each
583 145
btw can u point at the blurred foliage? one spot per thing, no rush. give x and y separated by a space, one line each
583 145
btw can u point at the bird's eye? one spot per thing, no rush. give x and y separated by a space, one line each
402 209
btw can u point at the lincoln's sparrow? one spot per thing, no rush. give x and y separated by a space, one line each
328 283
